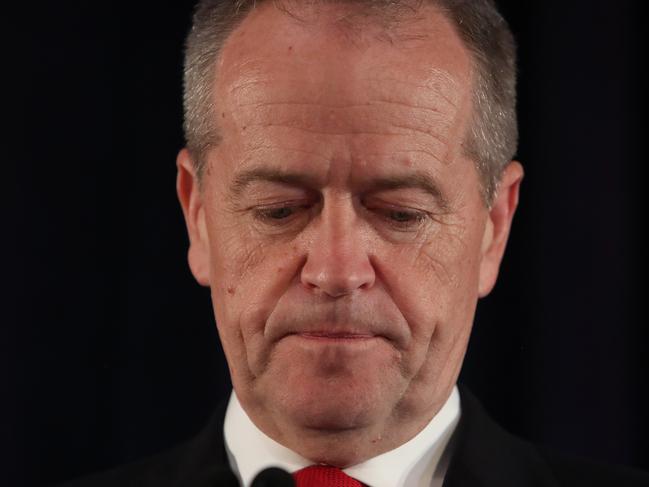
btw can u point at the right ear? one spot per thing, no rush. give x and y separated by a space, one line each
191 201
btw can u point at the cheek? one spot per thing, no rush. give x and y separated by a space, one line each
248 277
435 283
435 288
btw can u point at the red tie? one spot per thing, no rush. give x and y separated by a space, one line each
323 476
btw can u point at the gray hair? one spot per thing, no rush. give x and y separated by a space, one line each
492 137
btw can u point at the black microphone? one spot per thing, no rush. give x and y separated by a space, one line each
273 477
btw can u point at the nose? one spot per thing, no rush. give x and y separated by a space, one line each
338 262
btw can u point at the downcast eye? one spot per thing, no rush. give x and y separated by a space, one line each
401 216
278 213
402 219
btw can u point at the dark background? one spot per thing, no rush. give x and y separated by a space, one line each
110 353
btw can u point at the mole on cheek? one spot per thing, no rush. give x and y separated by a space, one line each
290 48
231 291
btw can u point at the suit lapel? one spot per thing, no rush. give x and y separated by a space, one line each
485 455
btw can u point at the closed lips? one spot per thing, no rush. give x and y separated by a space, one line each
336 335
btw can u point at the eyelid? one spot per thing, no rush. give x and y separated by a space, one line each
297 197
376 202
382 209
261 213
418 216
279 204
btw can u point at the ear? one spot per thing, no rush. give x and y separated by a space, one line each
191 200
498 225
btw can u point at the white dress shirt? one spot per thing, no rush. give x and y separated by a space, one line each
420 462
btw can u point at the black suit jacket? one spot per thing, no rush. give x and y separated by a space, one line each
484 455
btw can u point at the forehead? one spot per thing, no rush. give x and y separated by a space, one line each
334 43
325 70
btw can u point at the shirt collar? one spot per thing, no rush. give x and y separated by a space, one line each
415 463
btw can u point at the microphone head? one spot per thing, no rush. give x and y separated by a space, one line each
273 477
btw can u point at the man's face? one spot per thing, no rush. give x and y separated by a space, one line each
340 226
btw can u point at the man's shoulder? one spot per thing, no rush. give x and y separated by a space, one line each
172 468
201 461
486 454
161 468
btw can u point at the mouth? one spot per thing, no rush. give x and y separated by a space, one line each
335 336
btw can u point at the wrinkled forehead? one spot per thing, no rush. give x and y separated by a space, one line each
335 50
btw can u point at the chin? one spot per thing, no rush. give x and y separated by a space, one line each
327 403
334 408
347 399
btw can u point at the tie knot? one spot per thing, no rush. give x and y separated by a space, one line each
324 476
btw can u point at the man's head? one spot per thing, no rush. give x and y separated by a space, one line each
343 221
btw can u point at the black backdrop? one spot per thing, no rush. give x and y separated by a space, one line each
109 348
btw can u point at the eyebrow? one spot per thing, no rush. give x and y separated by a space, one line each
418 180
246 178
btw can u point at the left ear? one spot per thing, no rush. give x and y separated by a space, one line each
498 225
191 201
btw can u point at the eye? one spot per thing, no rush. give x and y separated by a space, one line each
405 220
277 213
403 216
399 218
280 215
